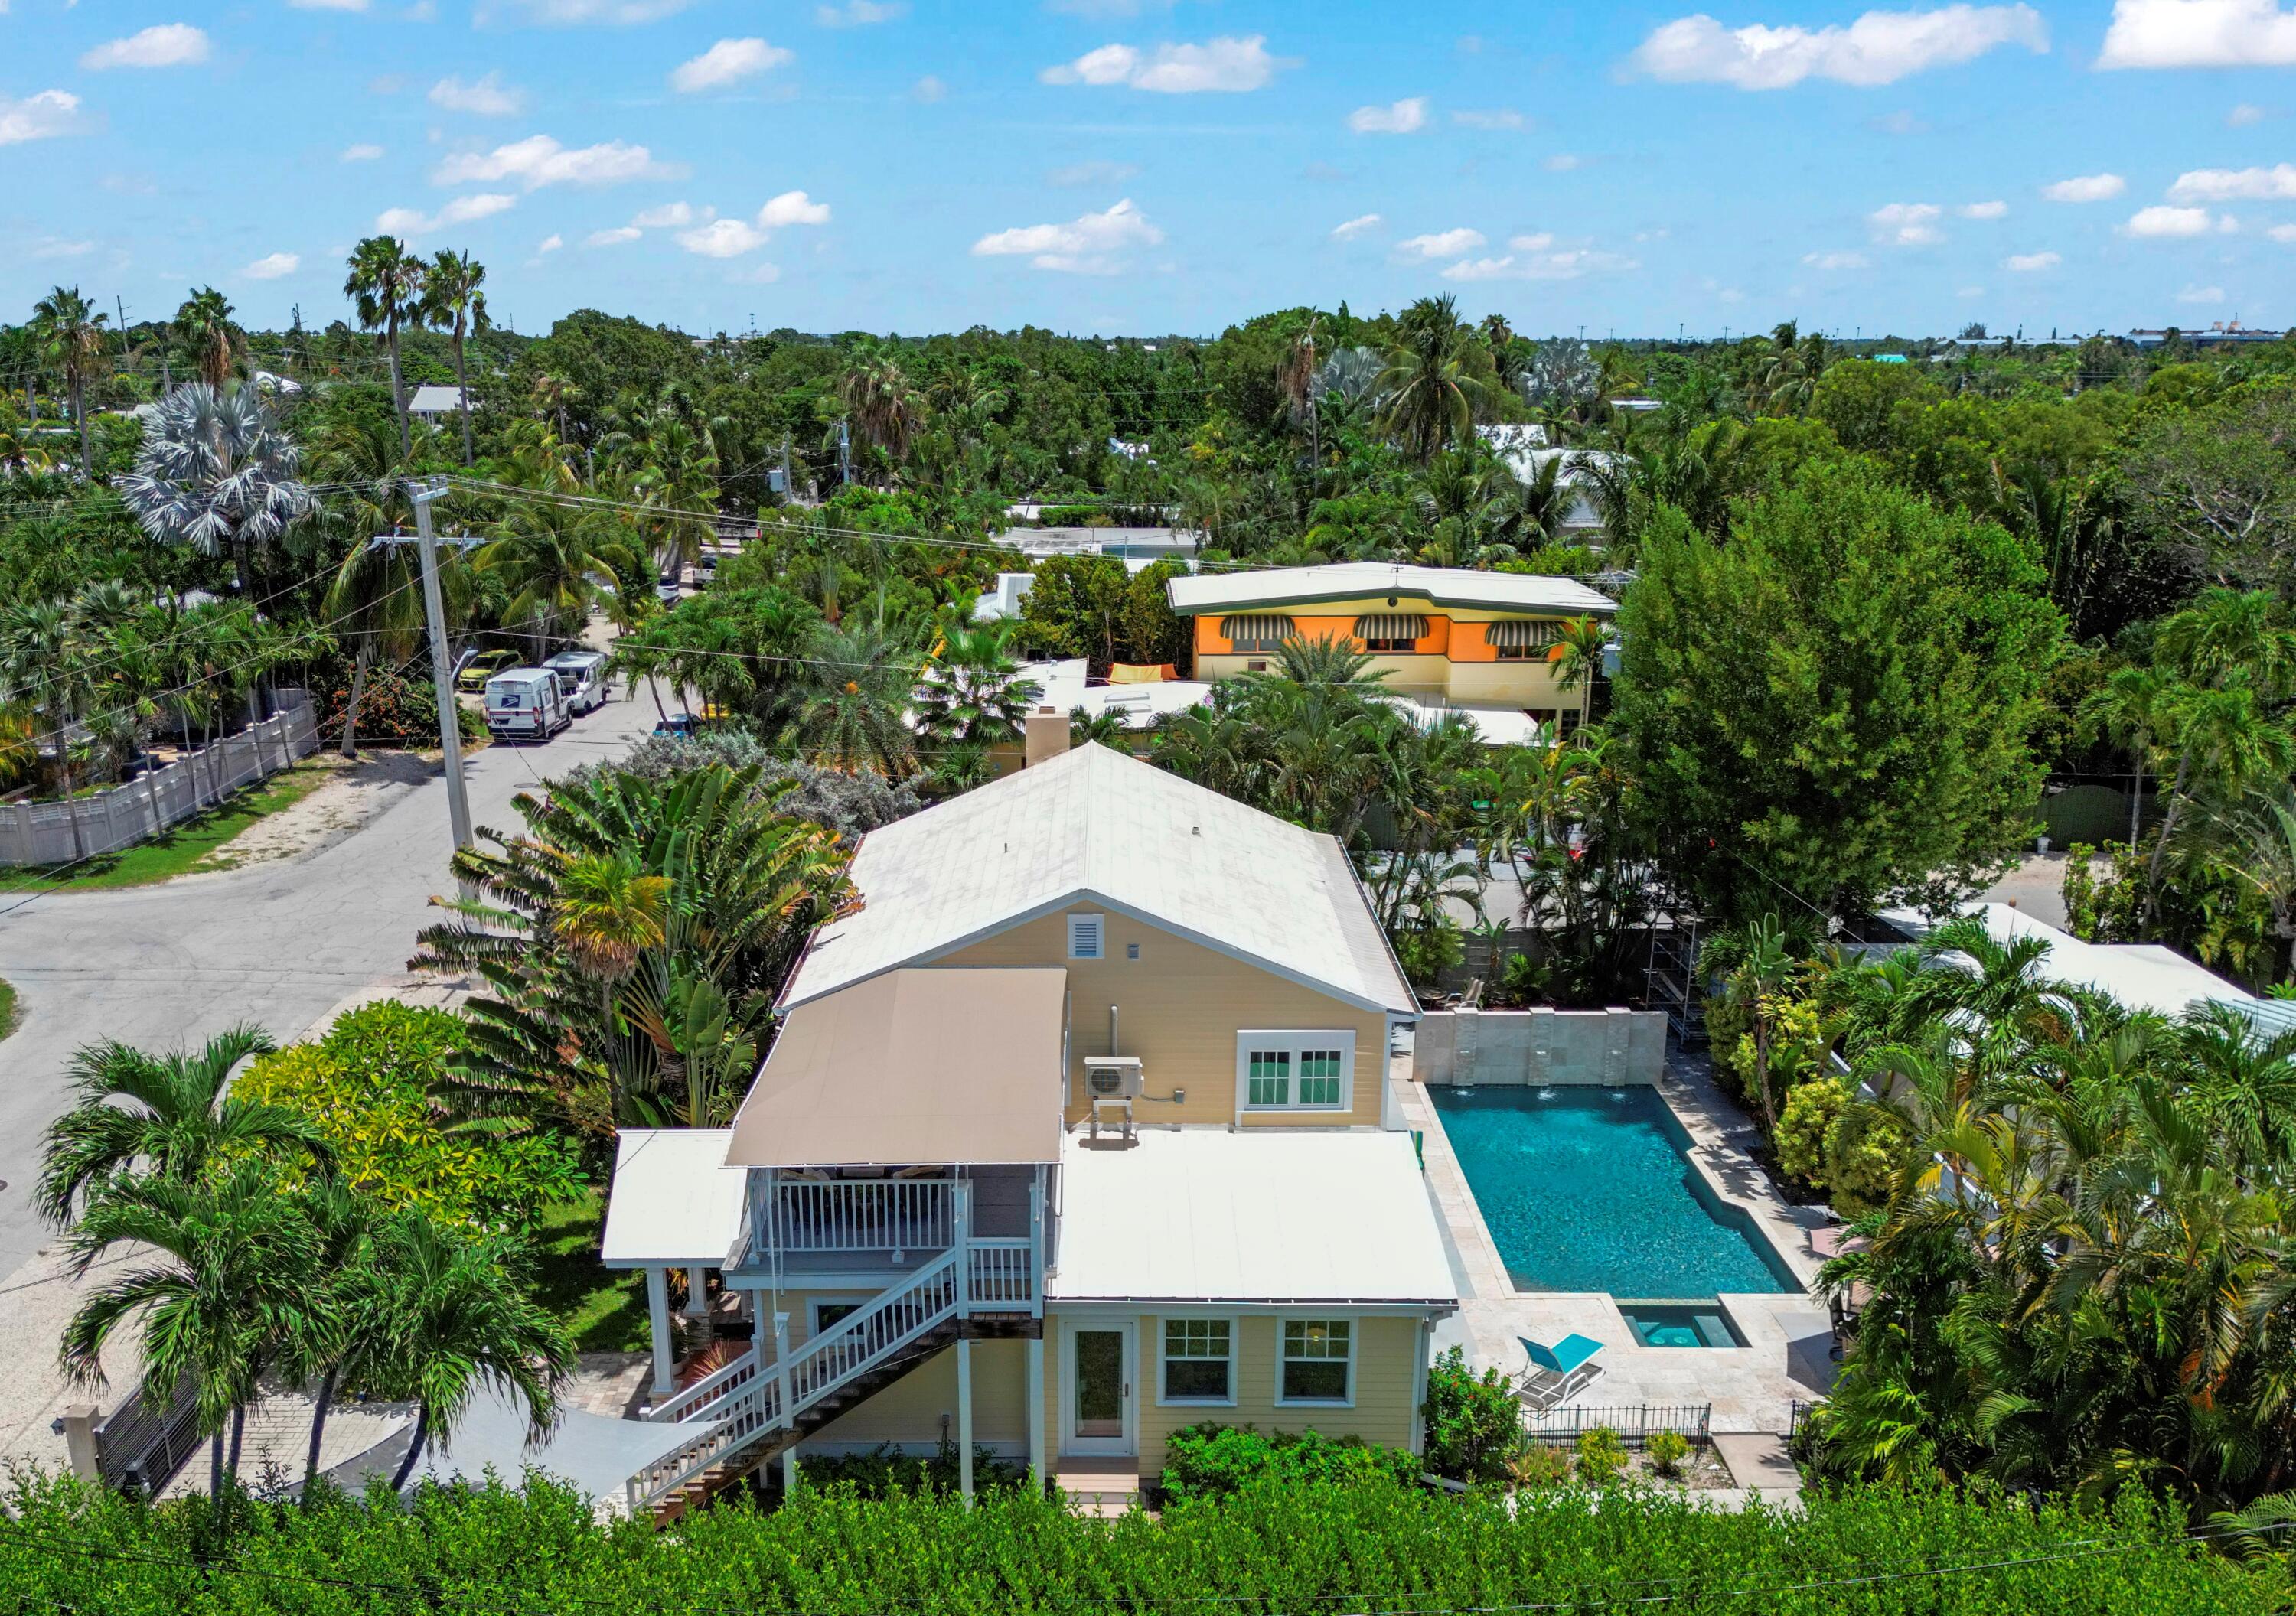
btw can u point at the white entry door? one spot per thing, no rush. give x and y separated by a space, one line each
1098 1372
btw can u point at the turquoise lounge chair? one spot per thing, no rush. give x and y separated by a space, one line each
1557 1374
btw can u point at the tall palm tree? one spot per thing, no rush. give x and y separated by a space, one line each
555 562
1766 968
1437 376
171 1115
72 337
2128 708
218 473
205 324
447 1316
236 1279
1577 657
854 708
609 912
885 405
973 694
385 286
453 299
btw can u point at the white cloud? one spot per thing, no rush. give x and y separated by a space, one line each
539 161
2159 221
1092 244
462 211
2276 184
2245 114
2086 187
2285 235
1356 226
1878 48
1562 162
568 14
1983 210
621 236
56 247
929 90
859 13
2030 263
549 243
2201 294
1541 266
1502 118
163 44
728 61
1401 118
271 266
1906 223
1442 243
673 216
1225 64
756 274
486 97
791 207
1537 242
722 239
1837 260
363 152
41 117
2199 34
1097 172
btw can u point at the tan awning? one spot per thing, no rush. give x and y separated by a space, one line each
1521 635
1258 631
1391 625
914 1066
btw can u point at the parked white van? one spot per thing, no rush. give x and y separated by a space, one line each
582 674
526 703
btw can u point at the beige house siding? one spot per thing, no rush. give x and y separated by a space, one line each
1179 1007
909 1411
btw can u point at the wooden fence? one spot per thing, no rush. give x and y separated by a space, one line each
46 833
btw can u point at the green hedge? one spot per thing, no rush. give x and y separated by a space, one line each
1272 1547
1212 1460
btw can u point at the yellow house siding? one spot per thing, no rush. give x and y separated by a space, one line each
1179 1007
909 1411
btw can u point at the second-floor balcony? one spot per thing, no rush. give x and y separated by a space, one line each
808 1227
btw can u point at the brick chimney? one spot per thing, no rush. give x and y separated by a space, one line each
1045 736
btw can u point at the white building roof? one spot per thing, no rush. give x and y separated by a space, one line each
1259 1216
434 400
1499 592
1096 826
1140 706
674 1200
2142 975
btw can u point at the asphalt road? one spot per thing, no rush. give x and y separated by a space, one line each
276 944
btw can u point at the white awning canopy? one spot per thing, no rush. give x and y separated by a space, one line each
675 1202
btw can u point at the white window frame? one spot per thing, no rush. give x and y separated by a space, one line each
1099 924
1355 1343
1295 1043
1235 1359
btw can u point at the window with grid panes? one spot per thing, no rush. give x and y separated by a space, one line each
1199 1356
1269 1078
1316 1353
1319 1077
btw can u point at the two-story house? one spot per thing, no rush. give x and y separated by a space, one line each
1444 637
1076 1132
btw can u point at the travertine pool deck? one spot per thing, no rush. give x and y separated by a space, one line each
1752 1388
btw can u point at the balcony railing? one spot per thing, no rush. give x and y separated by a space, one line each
895 1218
1001 1277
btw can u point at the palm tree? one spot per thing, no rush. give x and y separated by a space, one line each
1765 970
1437 376
555 561
2224 741
72 336
216 472
852 713
973 694
883 402
453 299
2260 833
204 322
237 1280
608 911
172 1114
2127 706
45 663
385 285
1577 657
446 1315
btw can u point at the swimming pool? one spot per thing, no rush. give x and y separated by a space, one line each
1592 1189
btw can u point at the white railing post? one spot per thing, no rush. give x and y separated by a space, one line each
1036 1245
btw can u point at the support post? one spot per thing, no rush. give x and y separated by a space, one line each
434 608
964 1418
1037 1476
782 1385
1036 1242
665 1360
78 1425
697 1293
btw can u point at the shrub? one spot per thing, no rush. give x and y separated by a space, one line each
1538 1465
1473 1422
1667 1449
397 708
1864 1150
1812 1109
366 1086
849 803
1212 1460
885 1471
1426 950
1602 1457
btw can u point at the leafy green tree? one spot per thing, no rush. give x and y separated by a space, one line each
852 709
1439 378
1860 399
1837 700
1077 608
72 337
973 694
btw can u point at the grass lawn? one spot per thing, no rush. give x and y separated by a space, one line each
8 1013
188 847
602 1308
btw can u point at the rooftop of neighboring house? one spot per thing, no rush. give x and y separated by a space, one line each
1094 826
2142 975
1437 586
434 400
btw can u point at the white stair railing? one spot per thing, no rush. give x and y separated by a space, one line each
699 1398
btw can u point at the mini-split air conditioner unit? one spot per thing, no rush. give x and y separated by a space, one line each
1112 1077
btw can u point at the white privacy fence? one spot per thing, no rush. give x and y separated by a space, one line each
42 833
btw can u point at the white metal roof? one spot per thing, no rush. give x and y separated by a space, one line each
2142 975
1259 1216
674 1200
434 400
1064 685
1499 592
1096 826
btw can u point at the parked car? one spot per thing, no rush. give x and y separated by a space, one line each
678 723
668 589
582 676
482 666
526 704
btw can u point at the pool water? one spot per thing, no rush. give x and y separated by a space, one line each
1681 1325
1591 1189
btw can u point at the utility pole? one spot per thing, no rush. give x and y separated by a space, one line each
844 452
450 731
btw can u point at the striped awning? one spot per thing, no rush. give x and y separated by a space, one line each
1258 631
1522 635
1391 625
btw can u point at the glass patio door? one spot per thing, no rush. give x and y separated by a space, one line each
1098 1390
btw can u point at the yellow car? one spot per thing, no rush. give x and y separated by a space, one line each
482 668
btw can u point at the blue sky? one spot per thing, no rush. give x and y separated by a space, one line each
1136 165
